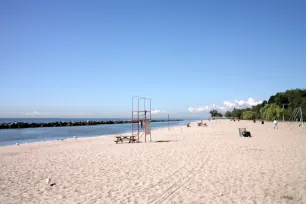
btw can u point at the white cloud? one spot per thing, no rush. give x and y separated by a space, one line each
205 108
153 112
247 103
227 105
33 113
199 109
157 111
252 102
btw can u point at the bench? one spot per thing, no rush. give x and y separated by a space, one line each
131 139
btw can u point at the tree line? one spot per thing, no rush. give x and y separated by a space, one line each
278 106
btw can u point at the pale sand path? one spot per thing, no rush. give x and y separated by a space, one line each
198 165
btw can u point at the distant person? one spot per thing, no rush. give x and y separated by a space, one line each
262 122
275 124
254 121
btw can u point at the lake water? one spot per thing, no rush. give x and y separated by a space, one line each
13 136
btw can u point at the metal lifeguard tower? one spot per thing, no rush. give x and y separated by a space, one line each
141 117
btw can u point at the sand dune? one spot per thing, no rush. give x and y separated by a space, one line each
192 165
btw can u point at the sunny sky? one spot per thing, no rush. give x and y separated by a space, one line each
88 58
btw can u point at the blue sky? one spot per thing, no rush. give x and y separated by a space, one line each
88 58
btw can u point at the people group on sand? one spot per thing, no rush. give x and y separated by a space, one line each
275 122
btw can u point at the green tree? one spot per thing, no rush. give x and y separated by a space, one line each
271 99
248 115
236 113
215 113
271 112
294 97
228 114
219 114
274 107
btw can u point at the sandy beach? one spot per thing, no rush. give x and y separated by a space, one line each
182 165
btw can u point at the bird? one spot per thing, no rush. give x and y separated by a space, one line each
17 144
75 137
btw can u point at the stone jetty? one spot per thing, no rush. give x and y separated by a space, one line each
17 125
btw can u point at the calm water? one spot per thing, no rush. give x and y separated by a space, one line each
12 136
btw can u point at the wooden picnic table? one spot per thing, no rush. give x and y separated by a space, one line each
131 139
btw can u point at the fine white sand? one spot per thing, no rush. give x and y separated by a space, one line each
198 165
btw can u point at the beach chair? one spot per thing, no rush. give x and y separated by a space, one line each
244 133
241 130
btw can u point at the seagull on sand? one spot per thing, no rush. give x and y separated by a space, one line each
48 180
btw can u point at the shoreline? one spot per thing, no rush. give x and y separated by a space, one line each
94 137
81 137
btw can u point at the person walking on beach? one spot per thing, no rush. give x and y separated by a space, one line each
275 124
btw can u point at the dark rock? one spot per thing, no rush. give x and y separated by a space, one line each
17 125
